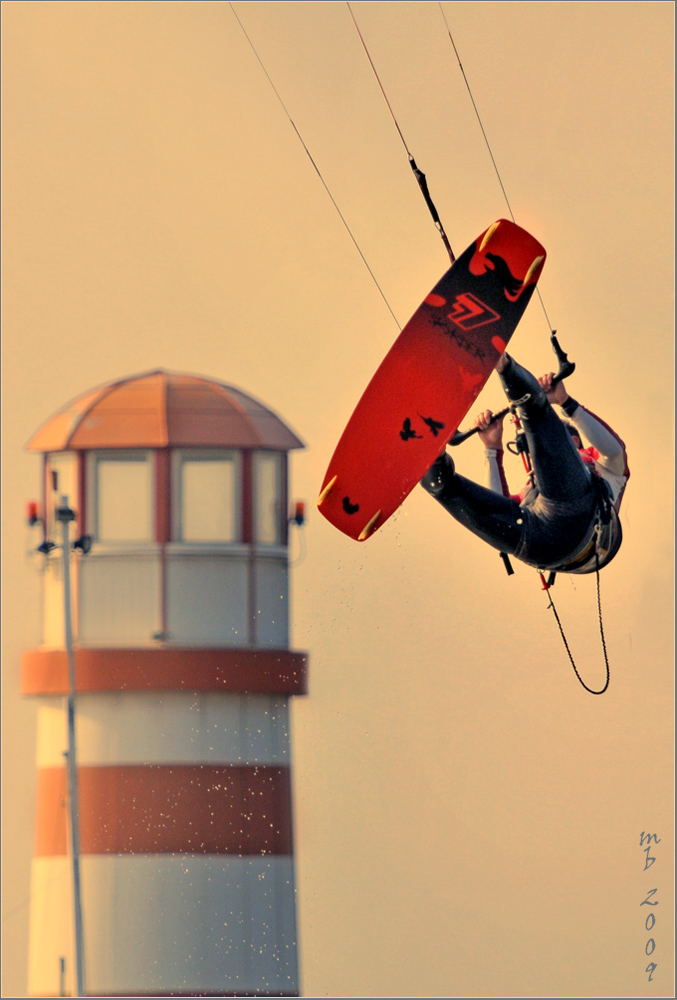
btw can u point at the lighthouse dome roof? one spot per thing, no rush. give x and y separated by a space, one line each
161 409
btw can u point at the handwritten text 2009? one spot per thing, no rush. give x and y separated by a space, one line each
650 922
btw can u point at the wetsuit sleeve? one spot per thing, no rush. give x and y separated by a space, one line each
592 430
494 475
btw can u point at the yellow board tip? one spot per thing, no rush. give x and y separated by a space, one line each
326 491
369 527
487 236
535 264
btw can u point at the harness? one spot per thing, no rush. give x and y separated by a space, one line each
603 538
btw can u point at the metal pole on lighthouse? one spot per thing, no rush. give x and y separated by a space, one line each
64 514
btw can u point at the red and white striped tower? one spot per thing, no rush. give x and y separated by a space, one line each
183 676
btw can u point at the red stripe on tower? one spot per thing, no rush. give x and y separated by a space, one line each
205 810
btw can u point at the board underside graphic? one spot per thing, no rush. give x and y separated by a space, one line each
429 379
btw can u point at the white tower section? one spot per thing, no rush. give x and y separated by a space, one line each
183 679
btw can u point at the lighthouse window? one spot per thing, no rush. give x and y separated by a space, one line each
268 512
207 506
123 497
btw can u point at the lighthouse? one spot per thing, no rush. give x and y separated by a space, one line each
179 586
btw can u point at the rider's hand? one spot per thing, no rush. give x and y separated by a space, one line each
490 431
554 394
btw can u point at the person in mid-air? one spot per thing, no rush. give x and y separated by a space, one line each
566 519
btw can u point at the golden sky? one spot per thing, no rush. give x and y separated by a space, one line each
468 817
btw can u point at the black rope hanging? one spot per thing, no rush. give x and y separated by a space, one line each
551 605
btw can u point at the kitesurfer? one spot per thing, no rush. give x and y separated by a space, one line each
566 519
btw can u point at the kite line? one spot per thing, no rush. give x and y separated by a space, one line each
418 174
493 160
565 366
315 166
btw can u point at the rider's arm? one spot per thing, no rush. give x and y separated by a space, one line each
592 430
494 474
599 435
491 436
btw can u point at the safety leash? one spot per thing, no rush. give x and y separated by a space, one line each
603 515
547 586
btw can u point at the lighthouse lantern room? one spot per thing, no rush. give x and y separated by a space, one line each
183 675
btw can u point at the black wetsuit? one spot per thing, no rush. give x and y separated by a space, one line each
568 520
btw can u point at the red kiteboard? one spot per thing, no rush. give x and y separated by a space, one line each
429 379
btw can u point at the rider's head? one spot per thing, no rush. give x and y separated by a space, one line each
575 437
